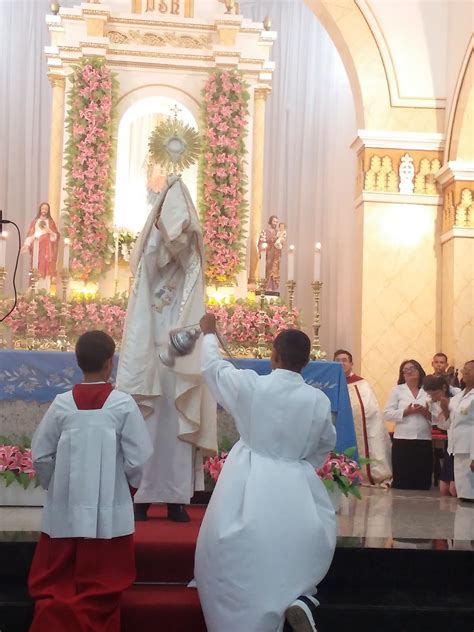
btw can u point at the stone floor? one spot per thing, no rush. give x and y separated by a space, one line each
391 515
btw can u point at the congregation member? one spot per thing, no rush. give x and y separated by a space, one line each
441 368
88 452
408 407
437 387
269 533
373 440
459 417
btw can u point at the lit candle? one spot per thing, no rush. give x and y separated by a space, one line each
116 236
66 254
3 249
291 263
263 259
35 253
317 262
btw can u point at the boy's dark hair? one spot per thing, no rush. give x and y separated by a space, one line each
441 355
293 347
342 351
93 349
436 383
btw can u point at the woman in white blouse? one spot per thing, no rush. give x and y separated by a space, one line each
408 407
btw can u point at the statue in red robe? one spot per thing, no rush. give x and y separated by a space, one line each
45 230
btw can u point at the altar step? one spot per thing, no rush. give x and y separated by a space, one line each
368 588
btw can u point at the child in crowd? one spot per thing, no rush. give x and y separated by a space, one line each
438 388
269 532
458 413
88 451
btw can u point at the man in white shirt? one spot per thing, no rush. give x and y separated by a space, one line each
373 440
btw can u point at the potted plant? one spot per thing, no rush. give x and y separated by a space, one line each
19 485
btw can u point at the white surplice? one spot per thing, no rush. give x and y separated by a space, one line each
269 532
373 440
86 459
168 292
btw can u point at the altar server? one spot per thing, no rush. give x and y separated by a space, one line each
88 451
269 532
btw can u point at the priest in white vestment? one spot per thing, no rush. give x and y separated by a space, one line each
373 440
269 532
168 292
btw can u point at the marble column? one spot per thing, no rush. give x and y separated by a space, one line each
256 199
56 146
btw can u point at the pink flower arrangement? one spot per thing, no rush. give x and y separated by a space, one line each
42 316
16 465
222 175
343 472
214 464
89 172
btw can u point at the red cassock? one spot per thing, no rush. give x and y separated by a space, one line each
77 582
47 249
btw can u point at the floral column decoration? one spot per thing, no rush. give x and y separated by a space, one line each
222 175
89 153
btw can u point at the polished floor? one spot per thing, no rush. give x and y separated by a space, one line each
386 518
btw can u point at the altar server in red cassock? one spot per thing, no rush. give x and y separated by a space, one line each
88 451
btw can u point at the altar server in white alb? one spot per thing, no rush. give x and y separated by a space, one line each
373 440
168 293
458 413
88 451
269 533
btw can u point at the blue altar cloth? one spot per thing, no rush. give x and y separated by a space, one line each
38 376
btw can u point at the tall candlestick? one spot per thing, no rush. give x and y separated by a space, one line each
291 263
66 254
263 259
3 249
116 274
317 262
35 253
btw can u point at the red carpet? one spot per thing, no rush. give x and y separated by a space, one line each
165 555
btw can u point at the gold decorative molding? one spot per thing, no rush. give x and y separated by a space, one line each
56 81
262 92
458 211
135 21
379 170
160 39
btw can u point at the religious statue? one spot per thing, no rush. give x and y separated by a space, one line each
44 230
275 238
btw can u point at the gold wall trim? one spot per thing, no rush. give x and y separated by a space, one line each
201 26
161 39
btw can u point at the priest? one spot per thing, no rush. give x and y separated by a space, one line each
168 293
373 439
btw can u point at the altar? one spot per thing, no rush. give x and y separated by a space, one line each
29 381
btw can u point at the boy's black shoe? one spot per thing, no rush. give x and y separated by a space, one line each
301 614
177 513
139 511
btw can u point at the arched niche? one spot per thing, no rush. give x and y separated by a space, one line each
137 180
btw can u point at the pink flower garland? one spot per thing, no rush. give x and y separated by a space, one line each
238 321
222 175
89 158
16 464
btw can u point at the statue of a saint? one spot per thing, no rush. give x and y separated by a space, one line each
44 229
275 238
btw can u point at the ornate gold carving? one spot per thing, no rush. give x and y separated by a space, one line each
381 176
459 215
262 93
160 39
380 171
57 81
425 178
